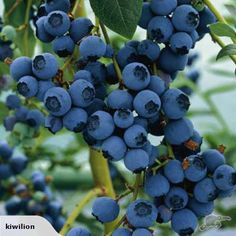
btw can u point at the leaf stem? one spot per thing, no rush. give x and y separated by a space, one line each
78 208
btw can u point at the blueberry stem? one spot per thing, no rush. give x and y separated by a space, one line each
26 32
138 182
79 7
11 10
78 208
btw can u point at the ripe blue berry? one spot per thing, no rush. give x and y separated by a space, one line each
97 105
138 120
75 120
57 23
78 231
181 43
82 93
105 209
92 48
109 51
63 46
142 232
100 91
184 222
126 55
5 50
163 7
27 86
80 28
41 32
136 76
18 164
100 125
136 160
141 214
5 151
185 18
200 209
13 102
54 209
5 171
123 118
196 169
9 123
85 75
114 148
20 67
226 193
59 223
157 85
120 99
13 206
156 185
57 101
174 172
149 49
224 177
147 103
34 118
176 199
45 66
164 214
43 87
135 136
121 232
178 131
213 159
53 123
160 29
205 191
54 5
153 155
146 15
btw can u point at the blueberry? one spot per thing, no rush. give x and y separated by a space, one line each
138 120
153 155
213 159
13 205
57 101
181 2
196 169
78 231
172 62
146 15
205 191
181 43
226 193
163 7
75 120
45 66
157 85
63 46
54 209
195 37
41 32
100 125
141 214
20 67
123 118
200 209
174 172
39 183
57 23
109 51
54 5
156 185
164 214
43 87
18 164
27 86
9 123
97 105
5 171
82 93
184 222
53 123
121 232
5 151
224 177
35 118
105 209
120 99
13 102
185 18
149 49
126 55
92 48
160 29
136 160
132 43
135 136
59 223
5 50
142 232
100 91
21 188
178 131
85 75
114 148
147 103
111 74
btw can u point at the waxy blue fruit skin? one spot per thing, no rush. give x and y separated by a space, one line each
57 101
41 32
43 87
18 164
53 123
174 172
157 85
142 232
9 123
164 214
13 102
123 118
105 209
184 222
126 55
85 75
200 209
146 15
27 86
149 50
13 205
55 5
121 232
141 213
78 231
63 46
5 171
97 105
163 7
5 151
136 76
35 118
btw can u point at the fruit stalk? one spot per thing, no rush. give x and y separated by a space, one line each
27 15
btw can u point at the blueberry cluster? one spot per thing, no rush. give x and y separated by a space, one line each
10 165
36 198
21 114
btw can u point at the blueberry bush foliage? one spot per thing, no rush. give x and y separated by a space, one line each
99 132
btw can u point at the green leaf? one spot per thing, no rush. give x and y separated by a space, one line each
222 29
227 51
232 10
121 16
4 111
